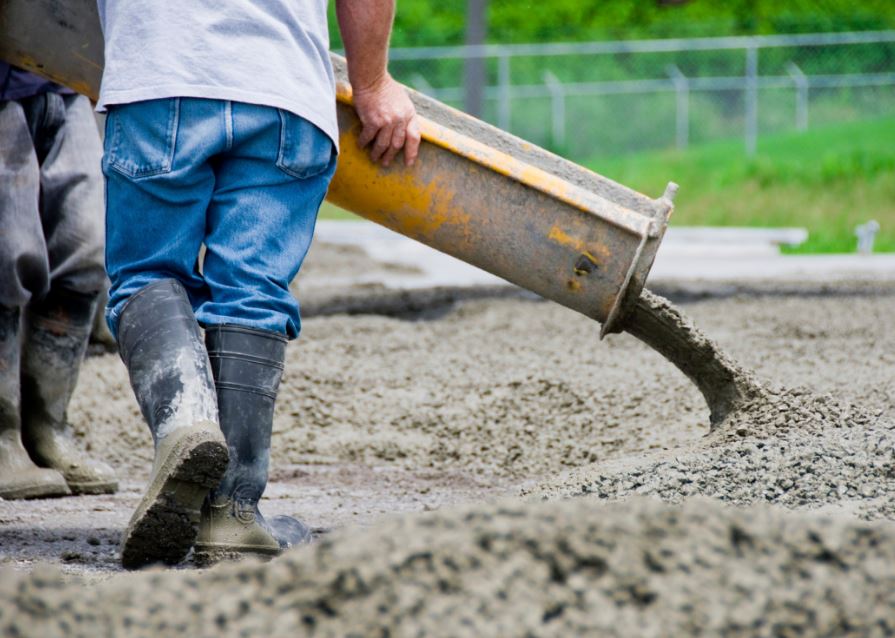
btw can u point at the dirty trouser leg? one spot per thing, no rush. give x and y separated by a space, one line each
57 323
23 251
72 204
51 208
23 260
72 180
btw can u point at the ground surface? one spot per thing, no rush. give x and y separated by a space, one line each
499 398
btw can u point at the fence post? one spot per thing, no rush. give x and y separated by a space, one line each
558 107
801 83
421 84
751 125
503 80
682 95
475 76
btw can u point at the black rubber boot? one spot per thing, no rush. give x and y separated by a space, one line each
160 344
247 365
56 332
19 476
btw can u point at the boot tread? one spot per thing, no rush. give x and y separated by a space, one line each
166 523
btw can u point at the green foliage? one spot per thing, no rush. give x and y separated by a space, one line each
632 122
442 22
828 180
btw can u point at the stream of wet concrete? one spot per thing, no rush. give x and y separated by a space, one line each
723 382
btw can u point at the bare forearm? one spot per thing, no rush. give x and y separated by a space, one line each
366 26
388 117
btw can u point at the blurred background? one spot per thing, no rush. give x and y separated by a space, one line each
767 114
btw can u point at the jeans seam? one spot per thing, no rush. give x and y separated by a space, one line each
281 163
228 123
173 125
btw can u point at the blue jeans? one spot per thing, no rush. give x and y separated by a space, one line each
244 180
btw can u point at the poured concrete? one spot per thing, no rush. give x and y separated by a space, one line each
516 398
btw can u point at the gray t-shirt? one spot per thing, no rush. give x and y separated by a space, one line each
270 52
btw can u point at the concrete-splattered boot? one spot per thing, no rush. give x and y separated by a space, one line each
160 344
19 476
247 366
56 331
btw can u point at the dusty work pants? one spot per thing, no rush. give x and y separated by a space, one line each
51 199
242 179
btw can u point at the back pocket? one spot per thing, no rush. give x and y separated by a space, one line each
142 137
305 150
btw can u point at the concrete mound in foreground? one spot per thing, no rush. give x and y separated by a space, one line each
636 568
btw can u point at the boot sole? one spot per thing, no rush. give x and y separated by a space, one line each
207 555
42 490
165 524
93 487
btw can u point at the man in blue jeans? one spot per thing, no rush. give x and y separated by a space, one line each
221 132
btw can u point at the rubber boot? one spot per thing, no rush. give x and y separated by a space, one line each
19 476
56 333
160 344
247 365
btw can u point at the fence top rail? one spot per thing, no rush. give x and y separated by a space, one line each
663 85
643 46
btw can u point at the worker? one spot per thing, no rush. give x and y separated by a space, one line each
51 257
221 131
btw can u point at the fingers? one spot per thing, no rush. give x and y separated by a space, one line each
412 141
389 124
389 140
397 143
382 143
367 134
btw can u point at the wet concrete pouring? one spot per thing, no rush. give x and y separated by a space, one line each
483 411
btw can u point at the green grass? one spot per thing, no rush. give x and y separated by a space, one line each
828 180
329 211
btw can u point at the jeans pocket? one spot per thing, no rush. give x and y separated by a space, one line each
305 150
141 136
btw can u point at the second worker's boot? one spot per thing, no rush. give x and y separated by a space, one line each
19 476
160 344
57 328
247 366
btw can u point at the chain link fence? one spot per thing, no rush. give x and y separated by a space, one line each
607 98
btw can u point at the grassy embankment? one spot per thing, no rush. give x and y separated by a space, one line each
828 180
